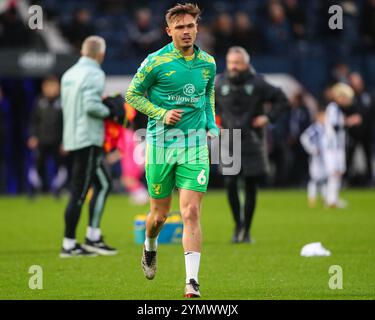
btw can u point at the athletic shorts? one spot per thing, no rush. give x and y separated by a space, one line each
184 168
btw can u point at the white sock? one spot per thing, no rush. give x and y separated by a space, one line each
69 243
312 188
192 260
93 234
333 190
151 244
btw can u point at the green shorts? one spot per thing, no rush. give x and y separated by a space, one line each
186 168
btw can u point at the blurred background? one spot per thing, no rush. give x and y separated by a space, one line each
289 42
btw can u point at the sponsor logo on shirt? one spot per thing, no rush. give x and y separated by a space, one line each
168 74
188 90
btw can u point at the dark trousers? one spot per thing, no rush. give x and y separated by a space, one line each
42 155
87 171
3 176
366 144
233 192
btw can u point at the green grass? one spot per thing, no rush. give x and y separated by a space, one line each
272 268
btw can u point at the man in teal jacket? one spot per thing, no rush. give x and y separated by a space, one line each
83 135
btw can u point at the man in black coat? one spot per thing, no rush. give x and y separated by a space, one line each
361 135
246 101
46 136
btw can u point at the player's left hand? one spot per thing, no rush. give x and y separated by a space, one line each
210 135
260 121
213 133
354 120
63 152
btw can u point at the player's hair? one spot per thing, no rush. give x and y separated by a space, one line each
321 107
92 46
50 78
182 9
343 90
240 50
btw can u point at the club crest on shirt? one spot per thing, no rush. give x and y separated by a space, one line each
249 89
206 74
156 187
225 89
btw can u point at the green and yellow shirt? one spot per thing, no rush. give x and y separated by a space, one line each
172 81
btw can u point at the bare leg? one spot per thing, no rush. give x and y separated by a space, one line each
159 209
190 206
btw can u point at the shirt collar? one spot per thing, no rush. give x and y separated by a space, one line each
87 60
173 48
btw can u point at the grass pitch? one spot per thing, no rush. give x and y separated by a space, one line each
272 268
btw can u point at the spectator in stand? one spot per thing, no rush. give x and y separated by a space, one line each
13 32
145 36
205 40
277 30
297 18
112 7
368 24
340 73
223 34
349 36
246 34
80 28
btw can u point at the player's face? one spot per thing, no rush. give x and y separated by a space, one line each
236 63
183 31
51 89
100 57
321 117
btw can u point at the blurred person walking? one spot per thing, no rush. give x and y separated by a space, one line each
46 138
83 136
241 95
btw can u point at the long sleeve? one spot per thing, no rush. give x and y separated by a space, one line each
144 79
92 96
34 120
278 100
307 140
210 103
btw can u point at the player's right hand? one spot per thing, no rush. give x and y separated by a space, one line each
32 143
354 120
260 122
173 116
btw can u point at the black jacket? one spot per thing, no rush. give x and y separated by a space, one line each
238 102
47 121
364 104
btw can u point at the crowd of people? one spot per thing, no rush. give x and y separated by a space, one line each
136 28
261 27
26 145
